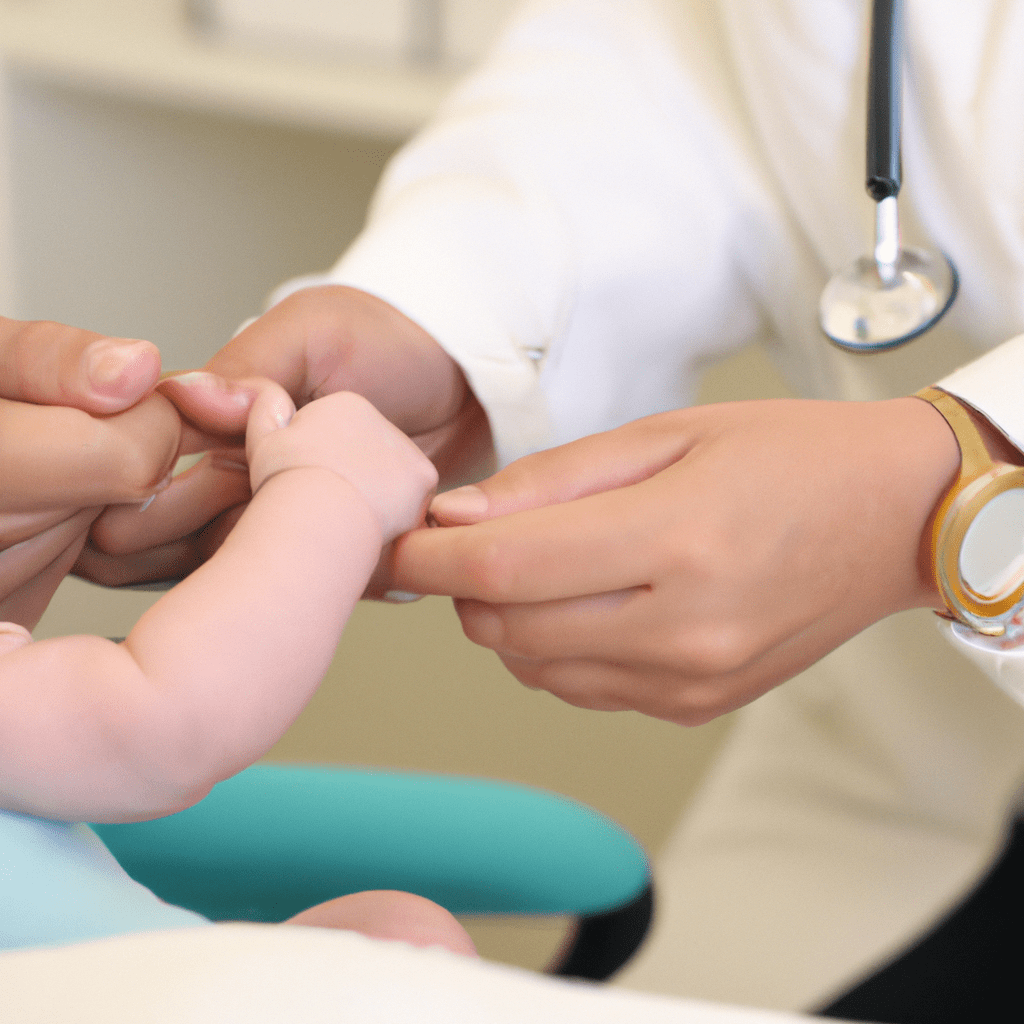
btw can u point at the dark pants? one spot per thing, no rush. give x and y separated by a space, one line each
968 968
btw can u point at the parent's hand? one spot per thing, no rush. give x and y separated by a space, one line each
72 440
687 562
316 342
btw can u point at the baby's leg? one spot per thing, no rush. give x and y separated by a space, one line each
386 914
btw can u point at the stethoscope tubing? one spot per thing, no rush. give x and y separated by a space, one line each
884 300
885 91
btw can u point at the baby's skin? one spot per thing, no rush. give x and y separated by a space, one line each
212 675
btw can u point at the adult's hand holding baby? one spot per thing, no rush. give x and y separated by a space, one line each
79 429
685 563
316 342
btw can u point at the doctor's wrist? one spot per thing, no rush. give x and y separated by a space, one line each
929 461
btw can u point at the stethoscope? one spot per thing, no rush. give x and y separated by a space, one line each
883 300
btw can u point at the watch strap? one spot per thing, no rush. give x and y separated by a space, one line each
982 615
974 456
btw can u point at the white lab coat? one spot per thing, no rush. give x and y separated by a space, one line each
625 190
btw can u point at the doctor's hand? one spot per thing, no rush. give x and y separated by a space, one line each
685 563
316 342
77 432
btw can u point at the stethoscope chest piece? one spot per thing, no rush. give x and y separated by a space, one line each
871 306
883 300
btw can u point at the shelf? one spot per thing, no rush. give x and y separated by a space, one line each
147 50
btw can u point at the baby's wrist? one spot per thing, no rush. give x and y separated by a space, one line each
327 485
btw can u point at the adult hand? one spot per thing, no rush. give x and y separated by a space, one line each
72 440
315 342
685 563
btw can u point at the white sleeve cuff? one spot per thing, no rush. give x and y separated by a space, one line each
1001 661
423 256
994 385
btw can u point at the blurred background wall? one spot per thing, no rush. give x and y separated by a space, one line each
156 182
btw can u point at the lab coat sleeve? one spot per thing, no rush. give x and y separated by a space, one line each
994 385
563 227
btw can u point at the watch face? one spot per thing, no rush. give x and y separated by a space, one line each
980 553
992 552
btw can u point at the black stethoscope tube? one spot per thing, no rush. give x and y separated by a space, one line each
885 299
885 88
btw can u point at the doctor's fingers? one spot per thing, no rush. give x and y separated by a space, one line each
167 563
610 686
31 569
665 691
628 651
56 457
595 545
27 604
601 462
193 499
52 364
656 692
334 338
18 526
648 628
213 407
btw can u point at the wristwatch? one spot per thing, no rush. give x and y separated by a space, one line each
978 534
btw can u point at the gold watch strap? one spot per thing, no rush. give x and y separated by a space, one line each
975 462
974 456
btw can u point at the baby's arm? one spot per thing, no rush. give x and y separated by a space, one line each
214 672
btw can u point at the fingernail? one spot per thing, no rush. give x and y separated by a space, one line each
225 462
282 417
13 636
245 323
107 360
161 486
201 378
401 596
463 505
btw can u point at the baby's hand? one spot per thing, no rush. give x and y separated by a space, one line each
345 434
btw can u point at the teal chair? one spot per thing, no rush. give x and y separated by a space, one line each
276 839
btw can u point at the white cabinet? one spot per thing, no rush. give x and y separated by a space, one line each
157 183
385 29
453 32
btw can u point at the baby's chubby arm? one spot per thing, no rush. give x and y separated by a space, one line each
213 674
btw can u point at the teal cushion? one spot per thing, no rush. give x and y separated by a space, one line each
276 839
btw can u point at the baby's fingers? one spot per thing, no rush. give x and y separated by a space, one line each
272 410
